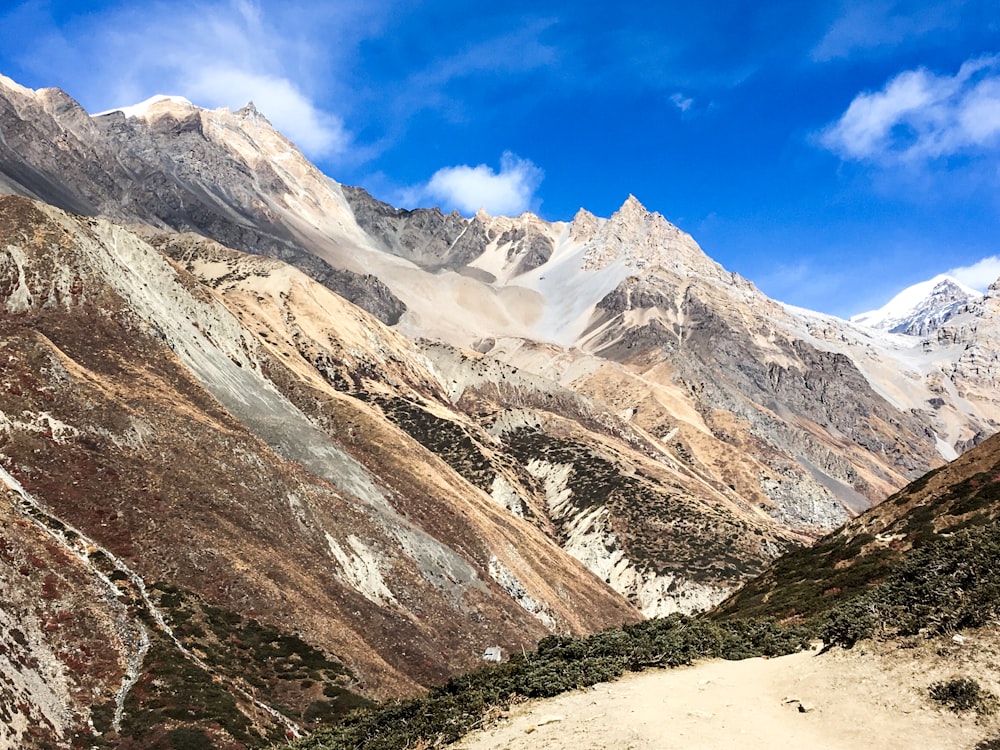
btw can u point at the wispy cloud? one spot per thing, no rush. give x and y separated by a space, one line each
863 27
920 115
683 103
217 53
318 133
509 192
458 81
980 274
516 51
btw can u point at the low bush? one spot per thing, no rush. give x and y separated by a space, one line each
946 585
964 694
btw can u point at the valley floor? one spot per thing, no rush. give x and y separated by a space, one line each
875 695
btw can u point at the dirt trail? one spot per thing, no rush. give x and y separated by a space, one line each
869 697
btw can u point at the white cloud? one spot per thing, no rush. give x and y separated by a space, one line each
980 274
683 103
217 53
316 132
509 192
920 115
866 26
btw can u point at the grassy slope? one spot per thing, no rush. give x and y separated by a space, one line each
851 560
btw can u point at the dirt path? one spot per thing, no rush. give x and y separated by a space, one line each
870 697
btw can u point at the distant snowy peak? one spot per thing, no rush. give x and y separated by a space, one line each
142 108
921 308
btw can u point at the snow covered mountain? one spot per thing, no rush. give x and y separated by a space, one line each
922 308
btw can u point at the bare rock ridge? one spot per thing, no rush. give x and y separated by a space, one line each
165 167
436 242
425 237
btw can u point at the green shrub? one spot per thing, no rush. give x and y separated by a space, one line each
964 694
189 738
849 623
948 584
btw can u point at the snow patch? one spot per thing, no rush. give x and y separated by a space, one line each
142 108
922 307
947 451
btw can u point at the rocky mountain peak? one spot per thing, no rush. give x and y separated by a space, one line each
642 239
632 207
250 114
584 225
248 110
56 99
922 308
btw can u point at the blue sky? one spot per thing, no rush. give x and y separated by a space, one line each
831 152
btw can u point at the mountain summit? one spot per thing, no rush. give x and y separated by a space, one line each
922 308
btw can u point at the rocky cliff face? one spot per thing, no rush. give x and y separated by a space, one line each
962 495
780 389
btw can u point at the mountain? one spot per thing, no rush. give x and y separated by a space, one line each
282 424
764 410
204 523
904 577
788 415
229 176
965 494
922 308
